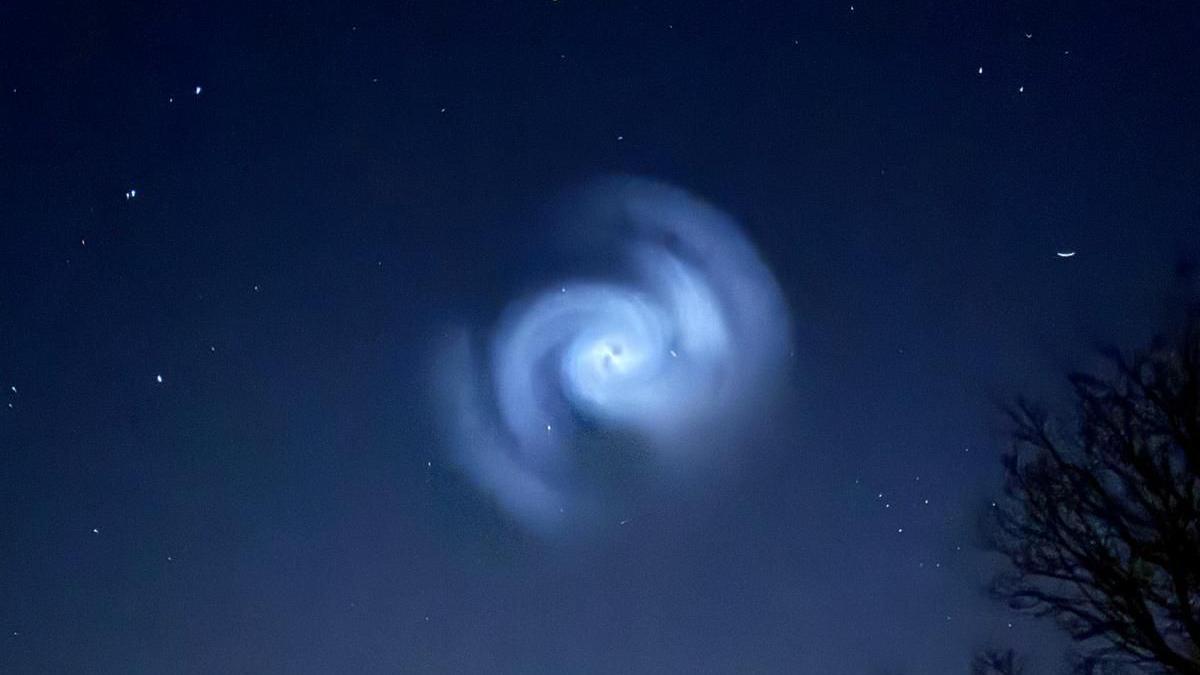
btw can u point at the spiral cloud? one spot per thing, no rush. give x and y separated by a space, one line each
646 371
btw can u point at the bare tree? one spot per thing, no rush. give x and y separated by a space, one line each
1101 514
1094 665
997 662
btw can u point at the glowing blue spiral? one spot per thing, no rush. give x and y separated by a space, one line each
672 352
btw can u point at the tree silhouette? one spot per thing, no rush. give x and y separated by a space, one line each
1101 514
1095 665
996 662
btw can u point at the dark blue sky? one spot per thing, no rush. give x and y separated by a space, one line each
348 181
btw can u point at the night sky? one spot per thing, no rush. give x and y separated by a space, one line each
235 239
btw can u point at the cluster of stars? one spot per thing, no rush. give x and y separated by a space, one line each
894 502
195 92
132 193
